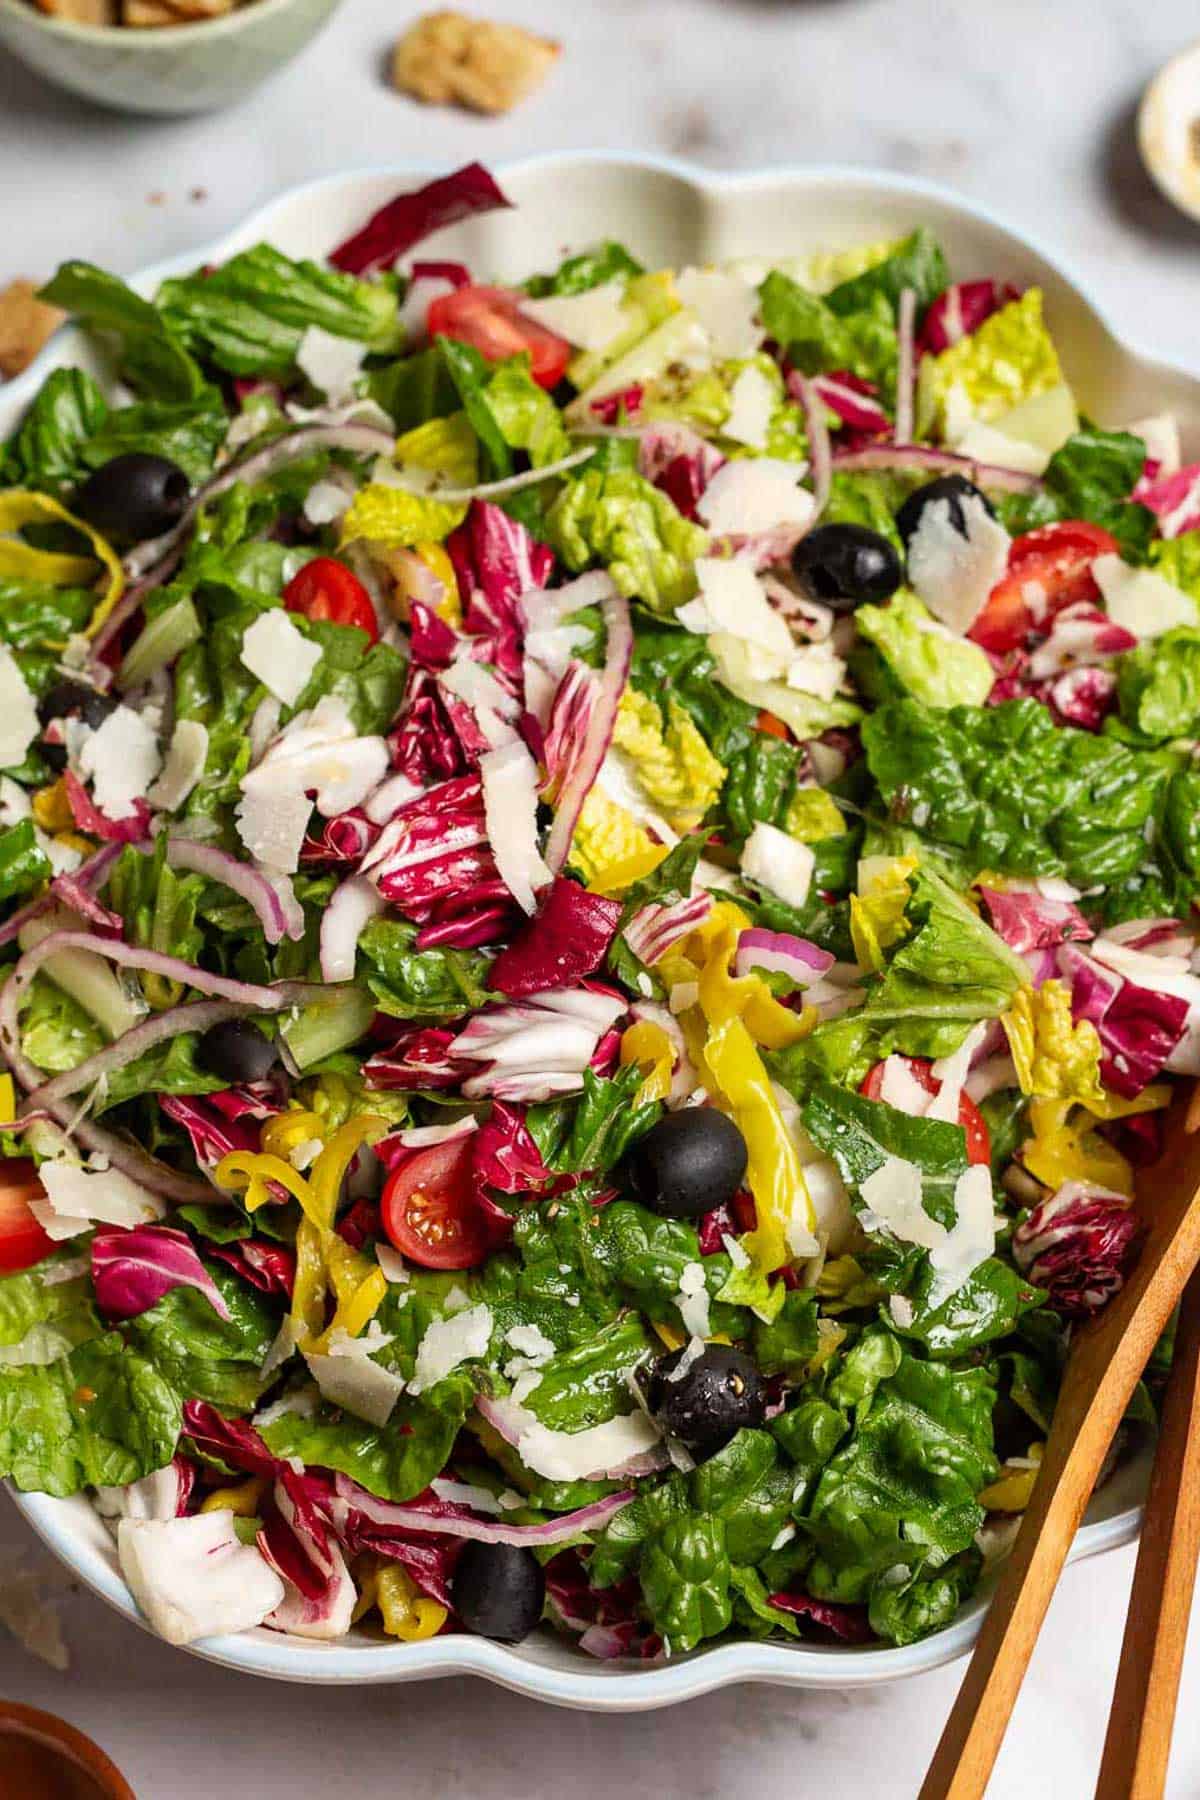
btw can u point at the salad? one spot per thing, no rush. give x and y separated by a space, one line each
596 916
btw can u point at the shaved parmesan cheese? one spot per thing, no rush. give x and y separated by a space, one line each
580 1455
752 494
510 801
816 669
738 1257
900 1088
395 1269
493 706
18 712
466 1493
693 1300
951 573
983 443
279 655
589 320
388 797
892 1198
325 501
901 1310
332 364
530 1342
778 862
348 1377
272 826
733 599
727 307
283 1344
1160 435
971 1239
448 1343
752 400
193 1577
121 759
1143 602
184 766
79 1197
952 1072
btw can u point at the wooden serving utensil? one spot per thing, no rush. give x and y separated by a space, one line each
1138 1746
1105 1364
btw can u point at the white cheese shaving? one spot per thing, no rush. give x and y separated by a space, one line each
466 1493
778 862
272 826
971 1239
15 803
531 1342
391 794
590 320
892 1198
952 1072
1160 434
726 305
18 712
326 501
816 669
395 1269
733 599
193 1577
693 1300
579 1455
494 708
951 573
348 1377
752 400
900 1088
1143 602
79 1197
449 1342
739 1257
282 1346
279 655
121 759
184 766
983 443
751 494
332 364
901 1309
510 801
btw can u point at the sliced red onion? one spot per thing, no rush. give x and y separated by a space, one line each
360 440
920 459
585 765
256 889
201 1015
449 1520
491 490
89 876
152 962
782 953
818 439
853 400
906 314
354 903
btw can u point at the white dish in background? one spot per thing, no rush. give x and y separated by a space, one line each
668 213
1168 128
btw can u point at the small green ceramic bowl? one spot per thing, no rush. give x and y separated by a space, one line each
186 68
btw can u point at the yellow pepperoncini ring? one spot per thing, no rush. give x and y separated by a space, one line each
724 995
248 1172
1061 1148
1012 1490
18 508
406 1612
288 1130
621 875
329 1170
8 1100
242 1501
648 1045
52 809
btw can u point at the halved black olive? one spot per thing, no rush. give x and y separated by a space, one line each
688 1163
237 1051
67 698
847 566
719 1392
134 496
498 1590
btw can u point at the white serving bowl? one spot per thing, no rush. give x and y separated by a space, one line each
668 213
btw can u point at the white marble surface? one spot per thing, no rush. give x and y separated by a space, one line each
1031 112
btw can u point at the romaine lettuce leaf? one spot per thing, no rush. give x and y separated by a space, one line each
908 652
1158 685
23 864
152 361
419 984
203 1356
46 449
608 261
396 1461
619 519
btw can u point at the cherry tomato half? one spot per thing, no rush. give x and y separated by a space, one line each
979 1143
326 589
22 1240
1055 558
430 1212
490 319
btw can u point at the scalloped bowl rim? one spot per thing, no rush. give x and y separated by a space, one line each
544 1668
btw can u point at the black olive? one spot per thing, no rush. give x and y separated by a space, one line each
498 1590
134 497
848 566
688 1163
67 698
237 1051
54 756
955 489
718 1393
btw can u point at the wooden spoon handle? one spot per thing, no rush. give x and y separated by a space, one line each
1138 1745
1105 1364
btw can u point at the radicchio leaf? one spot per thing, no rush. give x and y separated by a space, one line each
566 939
1139 1028
960 311
132 1270
410 217
1079 1245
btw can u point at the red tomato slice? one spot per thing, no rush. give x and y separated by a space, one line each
22 1240
1056 558
430 1212
979 1143
326 589
490 319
